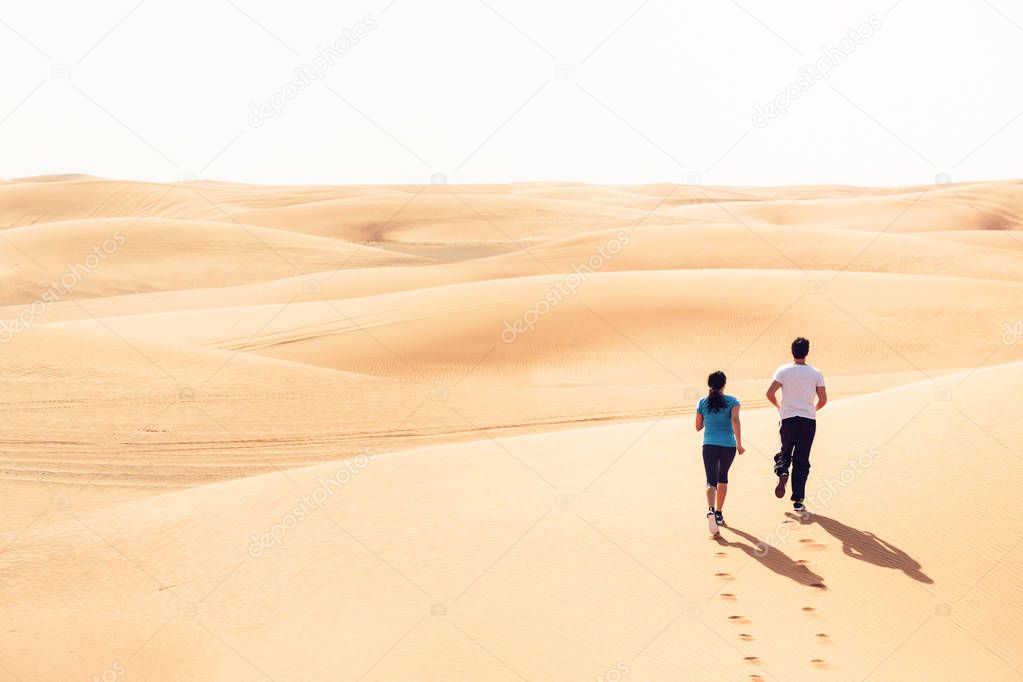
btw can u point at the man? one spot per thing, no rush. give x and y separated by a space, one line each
802 394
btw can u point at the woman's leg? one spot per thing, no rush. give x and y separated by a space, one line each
722 491
724 463
710 467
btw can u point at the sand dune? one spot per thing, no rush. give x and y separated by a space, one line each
104 257
445 432
738 318
402 535
959 254
521 212
987 206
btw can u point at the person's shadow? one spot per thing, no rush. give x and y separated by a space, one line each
867 547
773 558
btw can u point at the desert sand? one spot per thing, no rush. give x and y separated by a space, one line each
446 432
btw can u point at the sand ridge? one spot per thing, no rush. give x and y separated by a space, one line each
285 432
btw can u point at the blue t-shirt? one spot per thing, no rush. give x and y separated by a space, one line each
717 426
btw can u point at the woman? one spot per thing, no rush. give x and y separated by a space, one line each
717 416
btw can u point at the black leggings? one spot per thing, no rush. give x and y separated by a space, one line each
716 460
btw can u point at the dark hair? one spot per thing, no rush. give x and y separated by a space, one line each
800 348
715 399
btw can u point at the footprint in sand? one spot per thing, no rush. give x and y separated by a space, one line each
728 596
724 576
746 638
823 638
809 609
720 555
802 562
752 659
819 663
757 678
739 620
810 544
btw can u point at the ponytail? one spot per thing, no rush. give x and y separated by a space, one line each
716 399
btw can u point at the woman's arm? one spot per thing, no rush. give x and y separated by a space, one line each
699 421
737 427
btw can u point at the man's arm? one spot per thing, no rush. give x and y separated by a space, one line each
772 391
822 397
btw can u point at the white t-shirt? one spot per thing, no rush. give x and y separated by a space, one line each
799 390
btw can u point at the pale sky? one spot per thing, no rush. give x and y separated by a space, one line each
500 90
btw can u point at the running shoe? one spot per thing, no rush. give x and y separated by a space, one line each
779 490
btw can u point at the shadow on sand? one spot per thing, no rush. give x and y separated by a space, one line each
867 547
772 558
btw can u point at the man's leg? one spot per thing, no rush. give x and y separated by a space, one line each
801 457
788 433
784 457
